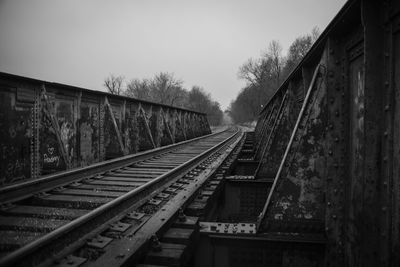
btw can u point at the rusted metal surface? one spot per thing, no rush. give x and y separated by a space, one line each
394 139
341 172
48 127
336 149
298 183
15 126
268 126
279 137
271 124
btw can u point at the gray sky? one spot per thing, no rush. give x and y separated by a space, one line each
203 42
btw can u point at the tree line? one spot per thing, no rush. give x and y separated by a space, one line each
263 76
164 88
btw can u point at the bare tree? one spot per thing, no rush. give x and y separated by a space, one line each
275 52
166 89
315 33
139 89
298 49
198 99
255 71
265 74
114 84
201 101
263 77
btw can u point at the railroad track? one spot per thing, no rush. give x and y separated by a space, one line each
43 220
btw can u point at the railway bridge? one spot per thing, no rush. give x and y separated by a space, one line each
92 179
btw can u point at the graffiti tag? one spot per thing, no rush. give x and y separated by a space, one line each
50 158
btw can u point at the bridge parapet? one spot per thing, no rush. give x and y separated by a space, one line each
329 139
49 127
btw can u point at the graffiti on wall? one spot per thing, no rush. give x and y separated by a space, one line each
88 134
47 128
50 156
15 138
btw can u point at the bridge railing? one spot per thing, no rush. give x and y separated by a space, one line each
49 127
330 140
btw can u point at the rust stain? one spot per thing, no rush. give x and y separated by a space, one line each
87 155
46 129
299 194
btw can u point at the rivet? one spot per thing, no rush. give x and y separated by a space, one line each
386 83
384 208
334 216
385 159
336 139
385 183
330 152
331 126
337 113
335 191
343 94
386 54
385 133
386 107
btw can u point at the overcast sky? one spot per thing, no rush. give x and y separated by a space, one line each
203 42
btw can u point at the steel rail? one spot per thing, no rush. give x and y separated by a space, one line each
25 189
107 211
